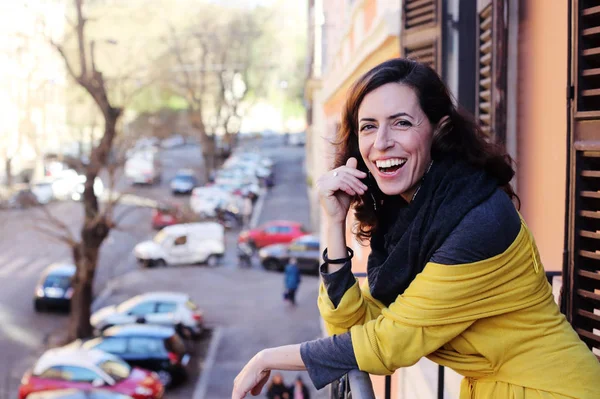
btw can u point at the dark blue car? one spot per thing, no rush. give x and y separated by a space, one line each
184 182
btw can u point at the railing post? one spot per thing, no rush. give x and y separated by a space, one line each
360 385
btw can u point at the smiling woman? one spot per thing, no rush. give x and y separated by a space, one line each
453 274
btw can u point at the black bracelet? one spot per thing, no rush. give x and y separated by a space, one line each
338 261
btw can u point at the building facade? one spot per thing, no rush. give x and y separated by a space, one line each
33 81
530 73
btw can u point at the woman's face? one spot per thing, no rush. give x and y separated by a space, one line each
394 138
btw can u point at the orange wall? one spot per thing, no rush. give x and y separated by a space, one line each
542 123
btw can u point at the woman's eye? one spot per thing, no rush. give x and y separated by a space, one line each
403 123
366 127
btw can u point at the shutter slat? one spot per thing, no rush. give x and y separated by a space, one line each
486 82
590 194
485 118
591 31
419 21
590 234
591 275
591 51
588 335
590 173
588 295
591 11
485 95
420 11
486 12
486 59
590 214
590 93
485 71
485 36
588 315
486 47
590 255
486 23
411 5
485 107
591 72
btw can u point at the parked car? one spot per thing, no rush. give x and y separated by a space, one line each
151 347
305 249
63 368
21 196
165 215
275 232
43 191
206 200
144 167
54 289
185 243
172 309
78 394
184 182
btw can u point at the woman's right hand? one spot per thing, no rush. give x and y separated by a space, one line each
337 187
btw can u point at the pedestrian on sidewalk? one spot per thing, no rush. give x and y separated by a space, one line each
299 390
277 389
453 272
245 253
247 207
292 280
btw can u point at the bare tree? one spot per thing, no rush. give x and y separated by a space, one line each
97 222
210 65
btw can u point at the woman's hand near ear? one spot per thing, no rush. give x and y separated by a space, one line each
336 189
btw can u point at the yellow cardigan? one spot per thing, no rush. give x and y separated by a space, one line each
494 321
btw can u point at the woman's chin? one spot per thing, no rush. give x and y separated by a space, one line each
392 189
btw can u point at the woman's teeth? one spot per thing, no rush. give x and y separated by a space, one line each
390 165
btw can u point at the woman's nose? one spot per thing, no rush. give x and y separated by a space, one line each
382 140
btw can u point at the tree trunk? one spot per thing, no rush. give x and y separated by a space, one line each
209 155
86 258
8 171
95 229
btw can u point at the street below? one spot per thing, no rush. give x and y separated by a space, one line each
243 308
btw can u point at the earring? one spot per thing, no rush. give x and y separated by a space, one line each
370 178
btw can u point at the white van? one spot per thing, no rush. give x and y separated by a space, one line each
143 167
184 244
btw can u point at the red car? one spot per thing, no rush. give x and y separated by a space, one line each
68 367
275 232
165 215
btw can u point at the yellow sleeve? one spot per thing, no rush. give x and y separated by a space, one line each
356 307
383 345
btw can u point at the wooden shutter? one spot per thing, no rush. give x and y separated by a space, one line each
581 285
491 68
421 32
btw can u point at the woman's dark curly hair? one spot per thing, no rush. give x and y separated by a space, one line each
459 135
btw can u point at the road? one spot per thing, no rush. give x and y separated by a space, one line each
25 252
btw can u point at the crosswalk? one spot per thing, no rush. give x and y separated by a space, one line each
19 266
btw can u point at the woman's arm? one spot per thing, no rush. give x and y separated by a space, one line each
255 374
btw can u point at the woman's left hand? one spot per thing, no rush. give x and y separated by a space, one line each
251 379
